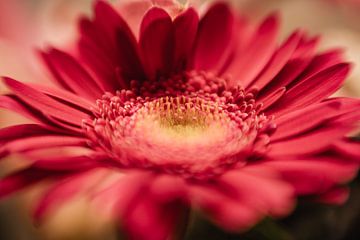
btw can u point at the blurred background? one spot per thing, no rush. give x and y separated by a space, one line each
25 24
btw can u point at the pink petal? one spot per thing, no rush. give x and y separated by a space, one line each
314 175
322 62
120 194
63 191
278 61
65 96
41 142
157 43
215 34
258 54
312 142
134 10
299 121
44 103
186 26
300 59
269 195
72 74
313 89
13 103
271 98
226 211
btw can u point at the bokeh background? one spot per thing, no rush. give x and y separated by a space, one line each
29 24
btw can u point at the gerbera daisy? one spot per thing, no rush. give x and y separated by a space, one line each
194 112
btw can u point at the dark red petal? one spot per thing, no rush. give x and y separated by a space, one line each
92 53
336 195
278 61
71 73
348 148
299 121
127 51
111 38
157 43
24 130
68 163
186 26
215 34
45 104
313 89
146 215
258 54
20 180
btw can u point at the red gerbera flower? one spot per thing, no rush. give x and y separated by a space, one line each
206 112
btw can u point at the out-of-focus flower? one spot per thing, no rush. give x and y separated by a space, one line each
25 26
206 113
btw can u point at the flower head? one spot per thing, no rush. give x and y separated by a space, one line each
205 112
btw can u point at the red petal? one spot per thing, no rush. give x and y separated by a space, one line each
120 194
322 62
271 98
73 75
278 61
348 148
24 130
313 89
45 104
314 175
186 26
300 59
268 195
110 36
65 96
215 34
20 180
63 191
304 119
68 163
41 142
157 43
148 214
309 143
258 54
337 195
226 211
14 104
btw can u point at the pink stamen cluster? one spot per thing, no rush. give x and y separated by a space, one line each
188 124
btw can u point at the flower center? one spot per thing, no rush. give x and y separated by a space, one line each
188 124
